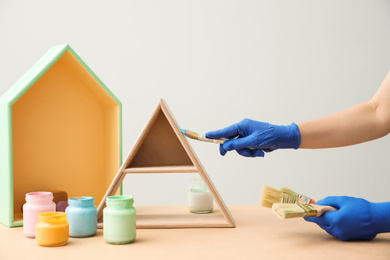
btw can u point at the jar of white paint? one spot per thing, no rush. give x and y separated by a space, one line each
199 198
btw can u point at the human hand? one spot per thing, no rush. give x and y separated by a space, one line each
355 219
252 138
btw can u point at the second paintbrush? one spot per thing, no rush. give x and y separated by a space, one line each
201 137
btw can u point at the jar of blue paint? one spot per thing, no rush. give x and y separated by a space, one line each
82 217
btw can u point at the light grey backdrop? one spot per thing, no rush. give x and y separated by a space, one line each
215 63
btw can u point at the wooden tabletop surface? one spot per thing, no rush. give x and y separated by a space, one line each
259 235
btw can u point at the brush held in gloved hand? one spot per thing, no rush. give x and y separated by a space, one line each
252 138
355 219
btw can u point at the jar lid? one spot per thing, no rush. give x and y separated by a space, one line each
38 195
120 198
197 185
82 200
52 217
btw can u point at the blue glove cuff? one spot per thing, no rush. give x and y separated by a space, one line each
380 213
291 138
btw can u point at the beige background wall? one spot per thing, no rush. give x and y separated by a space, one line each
215 63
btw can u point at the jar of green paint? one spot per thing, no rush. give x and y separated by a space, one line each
119 224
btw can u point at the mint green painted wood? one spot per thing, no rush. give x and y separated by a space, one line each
6 189
6 102
33 74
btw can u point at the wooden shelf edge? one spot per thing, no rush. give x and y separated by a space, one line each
173 226
163 226
162 169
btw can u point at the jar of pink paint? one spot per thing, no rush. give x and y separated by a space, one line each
36 203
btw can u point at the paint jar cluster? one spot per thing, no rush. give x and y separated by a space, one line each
52 226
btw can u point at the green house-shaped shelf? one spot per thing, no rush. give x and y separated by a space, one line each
60 129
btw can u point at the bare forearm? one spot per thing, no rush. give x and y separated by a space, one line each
361 123
351 126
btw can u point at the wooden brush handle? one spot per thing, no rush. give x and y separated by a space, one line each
322 209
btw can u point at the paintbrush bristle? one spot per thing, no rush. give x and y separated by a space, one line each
287 190
270 196
192 135
287 210
302 198
284 210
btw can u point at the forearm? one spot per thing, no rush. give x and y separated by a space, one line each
351 126
361 123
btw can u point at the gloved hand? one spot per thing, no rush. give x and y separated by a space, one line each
356 219
252 138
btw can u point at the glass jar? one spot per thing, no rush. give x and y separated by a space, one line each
52 229
81 215
119 225
199 198
36 202
61 205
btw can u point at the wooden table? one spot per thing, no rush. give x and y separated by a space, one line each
259 235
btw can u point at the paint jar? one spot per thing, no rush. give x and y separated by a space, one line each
52 229
119 225
81 215
199 198
61 205
36 203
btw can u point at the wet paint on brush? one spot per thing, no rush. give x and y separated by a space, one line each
201 137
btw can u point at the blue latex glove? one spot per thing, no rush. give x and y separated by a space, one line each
356 219
252 138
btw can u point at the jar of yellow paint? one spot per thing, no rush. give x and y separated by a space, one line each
52 229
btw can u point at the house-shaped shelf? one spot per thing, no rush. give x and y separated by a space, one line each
161 148
60 129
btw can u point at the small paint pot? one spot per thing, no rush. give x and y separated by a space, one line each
61 205
82 217
36 203
200 199
52 229
119 220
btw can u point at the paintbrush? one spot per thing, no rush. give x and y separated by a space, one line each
306 199
201 137
270 196
291 210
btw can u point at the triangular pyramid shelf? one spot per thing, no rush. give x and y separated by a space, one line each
161 148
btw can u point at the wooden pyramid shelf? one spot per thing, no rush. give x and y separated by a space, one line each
161 148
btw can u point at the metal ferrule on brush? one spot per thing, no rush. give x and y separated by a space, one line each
202 137
304 198
310 211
